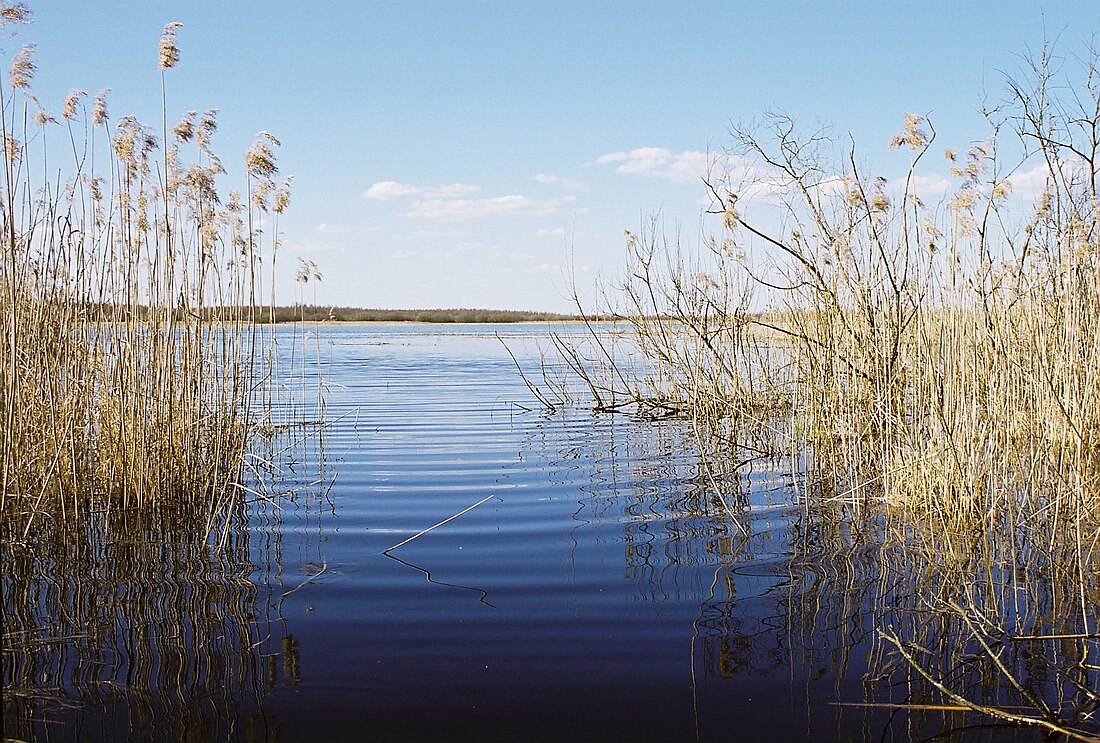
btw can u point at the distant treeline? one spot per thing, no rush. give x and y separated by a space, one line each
105 312
318 313
359 314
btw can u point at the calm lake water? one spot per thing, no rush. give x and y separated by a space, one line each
599 593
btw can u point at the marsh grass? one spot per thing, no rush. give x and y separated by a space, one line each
129 286
144 472
931 372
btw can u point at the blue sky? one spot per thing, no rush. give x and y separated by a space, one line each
472 154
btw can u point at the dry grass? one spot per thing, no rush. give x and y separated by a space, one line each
931 371
119 385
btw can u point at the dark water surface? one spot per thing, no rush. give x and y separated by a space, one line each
600 593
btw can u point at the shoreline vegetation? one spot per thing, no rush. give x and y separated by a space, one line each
121 391
320 313
763 323
935 393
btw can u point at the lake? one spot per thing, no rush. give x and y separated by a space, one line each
596 590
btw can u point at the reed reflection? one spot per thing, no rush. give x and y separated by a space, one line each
134 625
903 642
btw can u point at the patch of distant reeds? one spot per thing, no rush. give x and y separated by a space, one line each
129 285
932 369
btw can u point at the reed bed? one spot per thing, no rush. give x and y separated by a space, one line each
131 366
930 372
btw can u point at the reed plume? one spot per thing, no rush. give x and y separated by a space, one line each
129 291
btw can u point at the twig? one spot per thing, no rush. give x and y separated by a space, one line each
441 523
534 390
308 580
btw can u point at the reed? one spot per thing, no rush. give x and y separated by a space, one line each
930 371
128 291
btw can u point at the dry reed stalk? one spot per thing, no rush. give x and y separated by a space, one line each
131 361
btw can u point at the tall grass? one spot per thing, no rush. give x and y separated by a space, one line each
931 370
119 385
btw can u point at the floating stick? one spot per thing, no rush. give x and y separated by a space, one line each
441 523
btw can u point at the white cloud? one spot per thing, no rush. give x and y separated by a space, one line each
660 162
330 229
457 210
931 187
553 180
555 232
543 268
640 160
401 254
1030 184
760 188
690 165
390 190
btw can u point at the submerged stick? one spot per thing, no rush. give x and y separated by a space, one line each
441 523
307 581
891 705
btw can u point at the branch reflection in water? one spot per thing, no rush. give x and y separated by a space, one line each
483 597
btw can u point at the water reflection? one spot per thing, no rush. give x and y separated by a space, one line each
621 575
150 626
891 642
141 625
483 595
